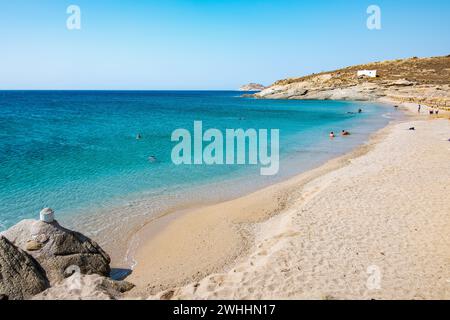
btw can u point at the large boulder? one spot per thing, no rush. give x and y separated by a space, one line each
86 287
21 277
58 250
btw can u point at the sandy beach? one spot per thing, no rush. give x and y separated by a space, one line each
372 224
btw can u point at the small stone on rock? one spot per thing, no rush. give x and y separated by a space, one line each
33 245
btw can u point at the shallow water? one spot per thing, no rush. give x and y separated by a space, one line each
77 152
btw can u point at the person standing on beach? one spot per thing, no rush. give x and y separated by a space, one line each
418 110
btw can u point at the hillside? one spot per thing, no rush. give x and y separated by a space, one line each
421 80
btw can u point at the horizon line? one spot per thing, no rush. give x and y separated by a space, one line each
186 90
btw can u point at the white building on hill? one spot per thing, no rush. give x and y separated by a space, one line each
367 73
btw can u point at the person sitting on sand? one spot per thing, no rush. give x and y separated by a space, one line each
437 111
345 133
332 135
431 111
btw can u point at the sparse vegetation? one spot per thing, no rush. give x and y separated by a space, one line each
422 71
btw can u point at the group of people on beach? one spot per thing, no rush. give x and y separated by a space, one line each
434 111
431 110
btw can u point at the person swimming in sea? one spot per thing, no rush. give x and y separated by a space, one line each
351 112
345 133
138 136
332 135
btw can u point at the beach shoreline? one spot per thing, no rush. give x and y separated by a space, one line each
229 235
171 188
193 244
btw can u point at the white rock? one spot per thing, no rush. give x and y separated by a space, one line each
47 215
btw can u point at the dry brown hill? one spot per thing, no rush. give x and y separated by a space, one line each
434 71
417 80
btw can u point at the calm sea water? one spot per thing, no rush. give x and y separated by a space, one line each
76 151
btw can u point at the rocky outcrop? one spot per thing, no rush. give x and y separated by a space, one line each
58 249
252 87
86 287
21 277
43 260
425 81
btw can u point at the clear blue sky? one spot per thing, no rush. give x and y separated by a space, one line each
169 44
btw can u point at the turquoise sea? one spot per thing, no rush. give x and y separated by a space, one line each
77 152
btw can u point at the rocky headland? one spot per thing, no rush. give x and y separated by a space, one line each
416 80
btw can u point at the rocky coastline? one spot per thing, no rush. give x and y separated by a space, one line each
415 80
40 259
